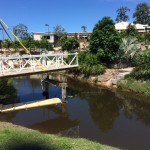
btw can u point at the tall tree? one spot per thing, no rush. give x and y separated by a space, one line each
83 28
142 14
59 30
121 14
104 40
21 31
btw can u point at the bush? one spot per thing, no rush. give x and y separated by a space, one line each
142 71
142 57
89 64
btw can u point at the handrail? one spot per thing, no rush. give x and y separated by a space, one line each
36 56
15 65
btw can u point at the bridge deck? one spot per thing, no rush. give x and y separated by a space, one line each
27 105
22 65
28 71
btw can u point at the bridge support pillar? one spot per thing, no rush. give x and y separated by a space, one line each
63 91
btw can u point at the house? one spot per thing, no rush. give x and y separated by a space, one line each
50 36
121 26
83 36
80 35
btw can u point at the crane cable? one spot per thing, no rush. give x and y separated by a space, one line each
43 69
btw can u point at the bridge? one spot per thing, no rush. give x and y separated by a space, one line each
33 64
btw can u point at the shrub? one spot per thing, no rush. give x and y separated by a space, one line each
89 64
142 71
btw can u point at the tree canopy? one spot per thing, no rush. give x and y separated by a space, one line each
121 14
142 14
69 43
83 28
104 40
59 30
21 31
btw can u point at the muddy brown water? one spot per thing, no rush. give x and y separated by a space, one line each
113 118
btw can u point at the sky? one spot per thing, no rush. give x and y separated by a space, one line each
70 14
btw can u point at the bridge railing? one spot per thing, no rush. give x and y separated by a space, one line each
43 62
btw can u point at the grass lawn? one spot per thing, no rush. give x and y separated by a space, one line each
14 137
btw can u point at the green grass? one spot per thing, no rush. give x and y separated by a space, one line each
18 138
142 87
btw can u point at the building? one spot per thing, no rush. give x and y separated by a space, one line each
50 36
80 35
121 26
83 36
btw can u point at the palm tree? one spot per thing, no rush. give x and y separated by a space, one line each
83 28
128 49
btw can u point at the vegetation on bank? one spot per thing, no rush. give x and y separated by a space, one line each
141 87
13 137
139 79
89 64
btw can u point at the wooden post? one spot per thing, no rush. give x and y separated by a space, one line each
1 106
63 91
45 85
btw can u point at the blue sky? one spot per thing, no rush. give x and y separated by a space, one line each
71 14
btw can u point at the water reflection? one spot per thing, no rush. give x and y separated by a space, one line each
56 125
104 110
105 105
8 93
113 118
135 106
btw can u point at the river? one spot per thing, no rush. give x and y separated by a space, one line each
109 117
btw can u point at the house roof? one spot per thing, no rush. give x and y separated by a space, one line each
124 25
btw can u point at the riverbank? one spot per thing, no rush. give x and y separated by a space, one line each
130 85
14 137
107 80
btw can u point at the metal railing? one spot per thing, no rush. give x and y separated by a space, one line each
34 63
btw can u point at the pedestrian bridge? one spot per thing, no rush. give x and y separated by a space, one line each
33 64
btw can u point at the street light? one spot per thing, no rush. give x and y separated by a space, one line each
48 37
47 26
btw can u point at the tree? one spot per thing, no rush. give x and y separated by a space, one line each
131 30
128 49
121 14
6 44
69 43
44 43
142 14
59 30
83 28
105 40
20 31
